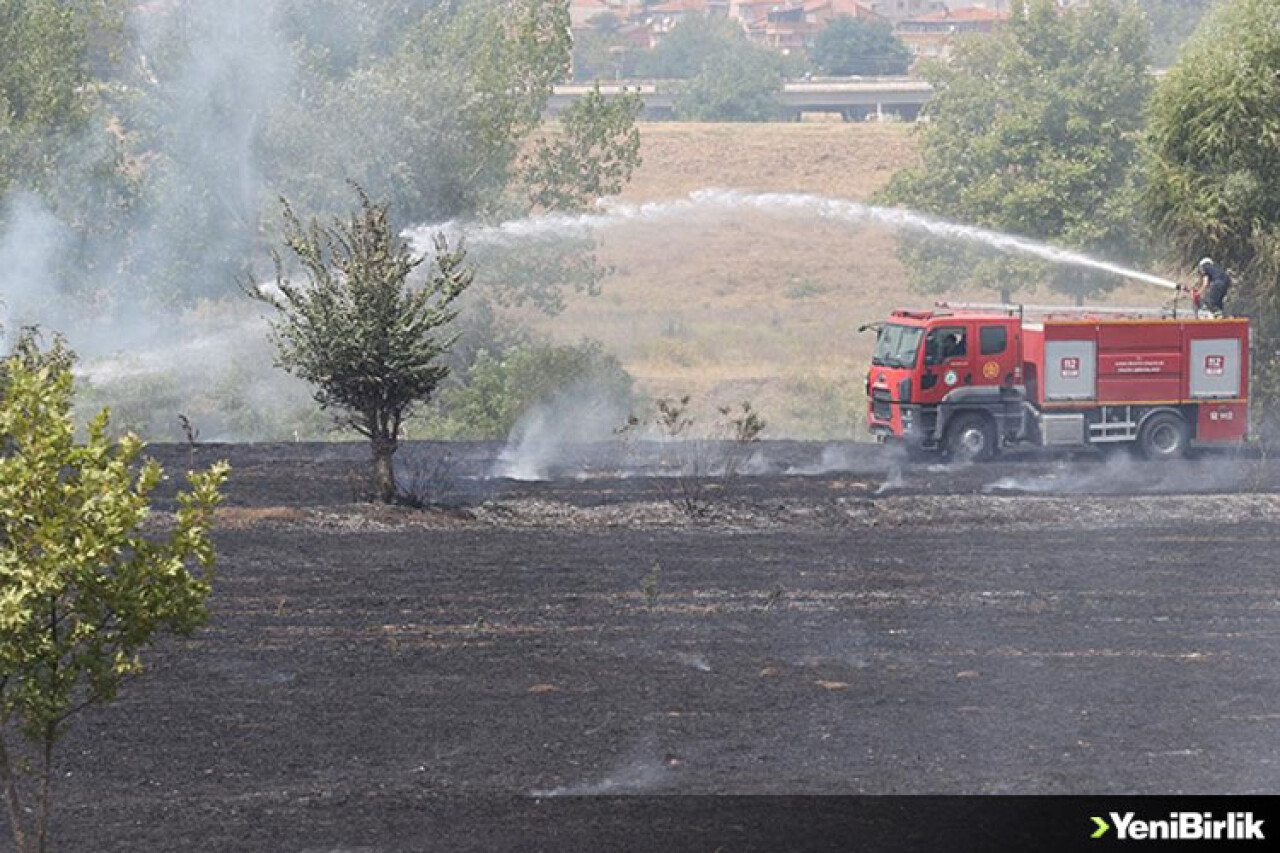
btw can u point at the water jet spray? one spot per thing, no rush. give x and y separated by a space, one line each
610 214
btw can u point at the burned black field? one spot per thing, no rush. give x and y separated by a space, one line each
448 678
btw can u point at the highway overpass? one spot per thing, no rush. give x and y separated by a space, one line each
855 100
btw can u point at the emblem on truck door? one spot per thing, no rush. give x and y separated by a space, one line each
991 369
950 377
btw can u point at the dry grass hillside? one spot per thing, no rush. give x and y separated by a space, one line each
732 306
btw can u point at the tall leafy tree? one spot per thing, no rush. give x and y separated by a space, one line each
1034 130
1213 164
590 155
59 62
43 72
738 85
854 46
369 340
725 76
435 124
689 45
83 588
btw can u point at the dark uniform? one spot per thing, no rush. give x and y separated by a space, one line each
1214 287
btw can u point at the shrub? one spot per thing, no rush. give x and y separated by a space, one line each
499 389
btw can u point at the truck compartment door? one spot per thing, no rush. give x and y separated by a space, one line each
1214 372
1070 370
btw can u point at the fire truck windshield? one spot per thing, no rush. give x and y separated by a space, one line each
897 346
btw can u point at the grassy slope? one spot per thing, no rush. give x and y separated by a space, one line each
755 306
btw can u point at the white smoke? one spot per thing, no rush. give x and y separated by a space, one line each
28 250
210 72
556 434
1121 472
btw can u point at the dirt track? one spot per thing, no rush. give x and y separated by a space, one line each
409 680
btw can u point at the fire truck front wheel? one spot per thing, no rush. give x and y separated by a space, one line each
970 437
1163 436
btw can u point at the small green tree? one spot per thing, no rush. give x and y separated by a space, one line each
82 588
358 330
850 45
1035 131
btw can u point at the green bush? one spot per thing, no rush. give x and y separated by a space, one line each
498 389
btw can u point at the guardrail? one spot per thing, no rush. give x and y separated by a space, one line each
854 99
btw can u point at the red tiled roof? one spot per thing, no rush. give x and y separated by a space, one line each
680 6
967 13
841 7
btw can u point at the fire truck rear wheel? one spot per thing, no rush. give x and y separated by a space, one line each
971 437
1163 436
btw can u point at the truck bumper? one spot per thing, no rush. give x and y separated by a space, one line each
904 423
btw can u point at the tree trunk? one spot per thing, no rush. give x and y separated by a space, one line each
384 471
11 799
1006 296
46 777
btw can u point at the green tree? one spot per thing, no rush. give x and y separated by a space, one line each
725 76
454 103
600 52
449 108
83 590
368 340
591 156
692 43
1213 163
1034 130
850 45
739 85
49 53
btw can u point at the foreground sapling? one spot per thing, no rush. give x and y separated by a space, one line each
84 586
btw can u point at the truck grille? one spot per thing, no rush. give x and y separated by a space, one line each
881 407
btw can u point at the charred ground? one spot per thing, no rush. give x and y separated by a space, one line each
396 679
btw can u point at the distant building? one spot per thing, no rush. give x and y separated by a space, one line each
665 17
581 12
790 27
932 36
897 10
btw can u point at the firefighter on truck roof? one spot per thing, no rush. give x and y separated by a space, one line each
1213 287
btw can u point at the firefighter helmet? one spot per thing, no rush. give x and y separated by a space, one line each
1204 264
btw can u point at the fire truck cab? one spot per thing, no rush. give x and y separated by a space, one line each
968 382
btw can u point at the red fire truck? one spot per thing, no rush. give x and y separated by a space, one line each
966 381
